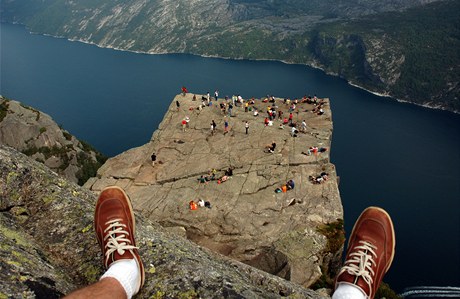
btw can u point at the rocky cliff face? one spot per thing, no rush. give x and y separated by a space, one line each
37 135
48 247
250 222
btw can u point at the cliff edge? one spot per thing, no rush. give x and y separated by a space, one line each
48 247
278 232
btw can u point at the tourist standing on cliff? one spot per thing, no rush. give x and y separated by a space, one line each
225 126
187 120
213 127
303 127
216 94
230 108
246 125
154 158
177 105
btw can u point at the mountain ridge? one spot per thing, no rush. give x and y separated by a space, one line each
404 49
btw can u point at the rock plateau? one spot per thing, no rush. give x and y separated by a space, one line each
249 222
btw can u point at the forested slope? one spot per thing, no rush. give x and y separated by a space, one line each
406 49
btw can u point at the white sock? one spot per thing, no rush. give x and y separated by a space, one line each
127 273
348 291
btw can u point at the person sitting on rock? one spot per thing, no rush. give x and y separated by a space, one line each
229 172
193 205
202 180
201 203
222 179
271 147
210 177
290 184
324 175
312 149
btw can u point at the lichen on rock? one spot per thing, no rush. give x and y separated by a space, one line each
47 248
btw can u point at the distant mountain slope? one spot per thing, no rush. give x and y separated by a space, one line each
412 55
406 49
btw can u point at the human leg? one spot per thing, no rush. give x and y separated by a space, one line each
369 255
107 288
114 224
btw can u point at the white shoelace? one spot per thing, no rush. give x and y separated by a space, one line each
361 262
117 240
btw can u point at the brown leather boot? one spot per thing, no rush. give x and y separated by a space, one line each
114 224
370 251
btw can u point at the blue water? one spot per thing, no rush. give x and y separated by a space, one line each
401 157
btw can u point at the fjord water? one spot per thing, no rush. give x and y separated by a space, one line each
401 157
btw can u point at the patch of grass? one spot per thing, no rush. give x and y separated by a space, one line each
61 152
88 167
385 291
335 234
67 135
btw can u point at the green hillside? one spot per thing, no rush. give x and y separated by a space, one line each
403 48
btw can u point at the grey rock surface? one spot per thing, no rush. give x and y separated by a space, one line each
248 221
36 134
48 247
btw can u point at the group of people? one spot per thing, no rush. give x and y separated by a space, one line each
286 187
314 150
323 177
193 205
273 111
211 176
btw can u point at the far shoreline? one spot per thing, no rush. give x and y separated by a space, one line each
313 66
